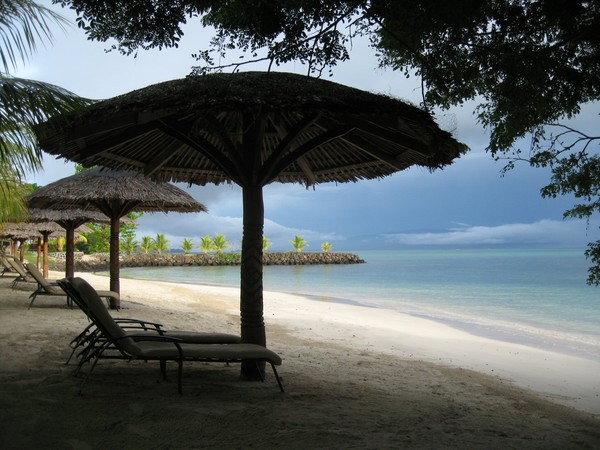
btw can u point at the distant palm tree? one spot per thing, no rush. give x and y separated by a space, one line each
266 243
147 244
128 244
161 243
187 245
299 243
24 103
220 243
326 246
206 244
60 243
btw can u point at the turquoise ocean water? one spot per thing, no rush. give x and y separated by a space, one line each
535 297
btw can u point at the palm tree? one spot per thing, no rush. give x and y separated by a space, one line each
266 243
206 244
299 243
326 246
161 243
128 244
147 244
220 243
24 103
187 245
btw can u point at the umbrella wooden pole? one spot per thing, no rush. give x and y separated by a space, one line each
114 259
251 296
39 253
45 234
22 251
70 252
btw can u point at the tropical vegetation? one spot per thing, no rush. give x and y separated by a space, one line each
187 245
206 244
299 243
326 247
161 243
220 243
24 103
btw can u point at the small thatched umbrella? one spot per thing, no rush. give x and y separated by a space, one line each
18 232
69 220
252 129
115 194
46 228
23 231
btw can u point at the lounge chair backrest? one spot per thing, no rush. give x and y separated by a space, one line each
5 262
98 312
39 278
18 266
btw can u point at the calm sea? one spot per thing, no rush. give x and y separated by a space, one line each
535 297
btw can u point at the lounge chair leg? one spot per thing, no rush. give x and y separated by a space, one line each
87 375
277 378
32 297
163 368
179 376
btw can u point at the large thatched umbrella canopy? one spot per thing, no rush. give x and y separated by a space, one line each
69 220
115 194
252 129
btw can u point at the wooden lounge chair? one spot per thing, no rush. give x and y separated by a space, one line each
50 287
89 340
21 272
162 348
6 266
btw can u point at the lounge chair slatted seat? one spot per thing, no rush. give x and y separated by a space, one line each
162 348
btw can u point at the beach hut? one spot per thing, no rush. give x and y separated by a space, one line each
252 128
115 194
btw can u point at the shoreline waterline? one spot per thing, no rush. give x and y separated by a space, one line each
568 343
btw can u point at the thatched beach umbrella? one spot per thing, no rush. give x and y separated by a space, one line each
252 129
115 194
46 228
18 232
40 230
69 220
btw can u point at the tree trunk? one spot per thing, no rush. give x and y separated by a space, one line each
251 297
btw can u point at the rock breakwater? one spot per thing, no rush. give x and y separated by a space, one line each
99 262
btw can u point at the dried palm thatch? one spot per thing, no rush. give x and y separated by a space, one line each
115 194
192 129
252 129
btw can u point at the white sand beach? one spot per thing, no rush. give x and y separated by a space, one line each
355 377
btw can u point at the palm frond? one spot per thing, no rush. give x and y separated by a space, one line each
24 23
23 104
12 195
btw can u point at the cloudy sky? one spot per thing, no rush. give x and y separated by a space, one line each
468 203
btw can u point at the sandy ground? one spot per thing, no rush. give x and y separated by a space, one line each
354 377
